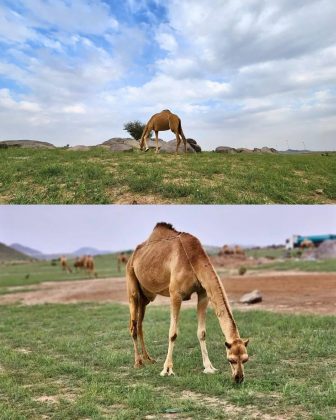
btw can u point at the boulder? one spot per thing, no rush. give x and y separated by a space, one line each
170 147
225 149
120 147
244 150
33 144
252 297
256 150
194 145
268 150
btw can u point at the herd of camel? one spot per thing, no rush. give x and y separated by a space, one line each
86 263
174 264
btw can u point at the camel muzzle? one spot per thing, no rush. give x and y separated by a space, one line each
239 379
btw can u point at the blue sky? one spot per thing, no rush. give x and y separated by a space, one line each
67 228
241 73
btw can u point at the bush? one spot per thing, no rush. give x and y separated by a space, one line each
134 128
242 270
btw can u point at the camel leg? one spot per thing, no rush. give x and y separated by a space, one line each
141 313
178 141
133 297
175 306
183 138
157 148
202 305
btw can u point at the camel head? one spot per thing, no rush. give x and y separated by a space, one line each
237 356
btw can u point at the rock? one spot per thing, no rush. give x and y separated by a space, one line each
252 297
120 147
268 150
225 149
244 150
33 144
194 145
116 139
170 147
256 150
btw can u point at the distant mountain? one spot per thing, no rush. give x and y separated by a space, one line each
86 250
10 254
26 250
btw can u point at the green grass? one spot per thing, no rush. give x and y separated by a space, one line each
299 265
29 176
25 274
266 252
81 357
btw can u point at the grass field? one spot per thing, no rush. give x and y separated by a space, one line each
299 265
75 361
29 176
24 274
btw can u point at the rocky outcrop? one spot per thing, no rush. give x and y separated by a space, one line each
32 144
117 144
231 150
225 149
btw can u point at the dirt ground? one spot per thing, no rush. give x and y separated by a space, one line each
282 292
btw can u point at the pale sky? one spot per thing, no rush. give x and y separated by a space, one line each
52 229
240 73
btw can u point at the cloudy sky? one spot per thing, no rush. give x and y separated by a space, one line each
66 228
239 73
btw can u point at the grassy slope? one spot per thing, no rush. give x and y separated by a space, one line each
10 254
81 356
97 176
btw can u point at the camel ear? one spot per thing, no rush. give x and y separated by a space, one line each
227 345
246 342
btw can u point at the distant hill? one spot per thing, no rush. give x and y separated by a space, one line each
26 250
34 144
89 251
9 254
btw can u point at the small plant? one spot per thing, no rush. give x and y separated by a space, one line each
134 128
242 270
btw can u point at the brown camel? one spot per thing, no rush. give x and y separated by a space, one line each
307 243
174 264
163 121
86 262
122 259
64 264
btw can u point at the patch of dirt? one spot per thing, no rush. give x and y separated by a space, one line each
47 399
290 292
132 198
248 411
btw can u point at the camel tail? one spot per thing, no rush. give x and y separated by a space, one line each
181 131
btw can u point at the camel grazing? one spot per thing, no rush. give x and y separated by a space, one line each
64 264
90 265
122 259
163 121
174 264
86 262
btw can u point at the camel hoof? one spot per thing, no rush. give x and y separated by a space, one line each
147 148
150 360
210 370
138 364
167 372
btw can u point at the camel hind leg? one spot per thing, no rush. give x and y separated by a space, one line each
183 137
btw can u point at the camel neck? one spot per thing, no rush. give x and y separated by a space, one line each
216 293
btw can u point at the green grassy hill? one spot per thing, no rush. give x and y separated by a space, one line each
98 176
8 254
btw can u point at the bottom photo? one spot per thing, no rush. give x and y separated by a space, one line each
168 311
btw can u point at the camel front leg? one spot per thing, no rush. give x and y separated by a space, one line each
202 305
175 306
133 297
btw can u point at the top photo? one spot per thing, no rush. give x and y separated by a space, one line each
167 102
